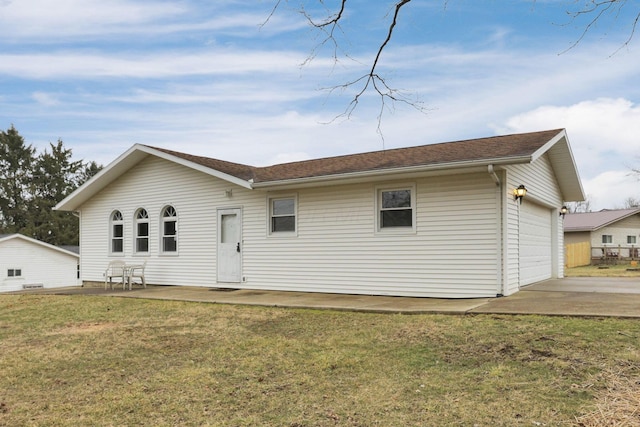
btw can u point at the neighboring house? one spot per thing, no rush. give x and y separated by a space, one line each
429 221
610 233
28 263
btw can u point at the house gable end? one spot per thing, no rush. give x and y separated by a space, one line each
127 161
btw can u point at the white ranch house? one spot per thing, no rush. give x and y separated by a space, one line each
29 263
436 220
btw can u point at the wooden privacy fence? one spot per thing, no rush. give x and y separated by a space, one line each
577 254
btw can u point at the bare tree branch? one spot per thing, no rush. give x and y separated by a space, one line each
597 9
371 80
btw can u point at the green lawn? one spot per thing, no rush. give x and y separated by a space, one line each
619 270
96 361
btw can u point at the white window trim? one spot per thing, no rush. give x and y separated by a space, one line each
280 234
162 236
135 231
602 239
111 236
635 237
378 206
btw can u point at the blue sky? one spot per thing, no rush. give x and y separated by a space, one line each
208 78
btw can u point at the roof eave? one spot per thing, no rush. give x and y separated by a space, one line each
564 165
376 173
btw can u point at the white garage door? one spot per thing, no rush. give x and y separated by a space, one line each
535 243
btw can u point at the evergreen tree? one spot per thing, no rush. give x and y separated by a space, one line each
55 177
30 186
16 163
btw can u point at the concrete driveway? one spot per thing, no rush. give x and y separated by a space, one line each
615 285
575 296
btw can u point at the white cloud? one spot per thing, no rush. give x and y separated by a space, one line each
31 18
610 189
48 21
605 138
45 99
65 65
604 133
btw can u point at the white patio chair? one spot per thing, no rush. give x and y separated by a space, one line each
115 270
137 271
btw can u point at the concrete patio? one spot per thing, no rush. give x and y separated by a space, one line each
608 297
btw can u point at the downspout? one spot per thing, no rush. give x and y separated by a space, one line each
499 208
493 175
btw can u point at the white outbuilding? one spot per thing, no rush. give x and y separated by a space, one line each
28 263
439 220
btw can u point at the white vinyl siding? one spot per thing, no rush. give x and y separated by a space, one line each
454 250
452 253
38 265
154 184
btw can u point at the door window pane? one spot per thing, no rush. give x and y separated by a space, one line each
228 231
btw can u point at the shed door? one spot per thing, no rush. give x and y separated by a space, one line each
535 243
229 245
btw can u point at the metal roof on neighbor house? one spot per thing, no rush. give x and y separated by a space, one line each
590 221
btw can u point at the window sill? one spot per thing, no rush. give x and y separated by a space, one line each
391 231
283 235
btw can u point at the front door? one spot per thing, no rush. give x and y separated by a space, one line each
229 245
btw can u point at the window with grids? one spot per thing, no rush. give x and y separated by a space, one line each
14 272
631 240
607 239
169 230
117 233
142 231
282 215
396 208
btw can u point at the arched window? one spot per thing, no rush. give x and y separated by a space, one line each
142 231
169 229
117 233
